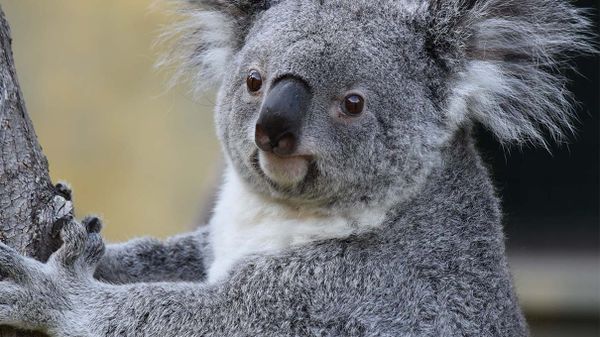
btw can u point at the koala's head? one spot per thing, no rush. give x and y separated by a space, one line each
334 102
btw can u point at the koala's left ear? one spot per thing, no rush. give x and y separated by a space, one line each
506 57
204 41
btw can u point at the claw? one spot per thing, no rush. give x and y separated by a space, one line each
94 249
93 224
64 189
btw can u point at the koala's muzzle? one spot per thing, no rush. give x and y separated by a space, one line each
280 120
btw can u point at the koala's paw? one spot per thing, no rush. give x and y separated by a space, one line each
43 296
64 190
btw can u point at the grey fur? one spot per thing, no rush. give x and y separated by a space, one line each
435 267
181 258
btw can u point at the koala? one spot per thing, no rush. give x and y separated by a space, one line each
354 202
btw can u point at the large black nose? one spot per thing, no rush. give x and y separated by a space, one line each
280 120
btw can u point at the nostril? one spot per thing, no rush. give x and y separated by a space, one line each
280 144
262 139
282 115
286 145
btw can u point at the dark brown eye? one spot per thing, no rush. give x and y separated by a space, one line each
254 81
353 105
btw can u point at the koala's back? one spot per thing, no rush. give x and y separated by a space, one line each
452 280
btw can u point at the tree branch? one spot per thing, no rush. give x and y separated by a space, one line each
30 207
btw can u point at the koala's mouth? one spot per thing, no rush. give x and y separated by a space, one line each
286 172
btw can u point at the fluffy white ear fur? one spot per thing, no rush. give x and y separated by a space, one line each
514 50
200 47
202 44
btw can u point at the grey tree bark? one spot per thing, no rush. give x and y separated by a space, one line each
31 209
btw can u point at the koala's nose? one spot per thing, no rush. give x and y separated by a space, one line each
280 120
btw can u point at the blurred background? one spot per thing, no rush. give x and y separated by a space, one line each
147 159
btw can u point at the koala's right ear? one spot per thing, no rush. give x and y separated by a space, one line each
509 54
201 45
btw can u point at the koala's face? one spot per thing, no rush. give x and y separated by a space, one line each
332 103
353 101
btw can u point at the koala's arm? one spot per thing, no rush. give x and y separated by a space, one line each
180 258
328 292
61 298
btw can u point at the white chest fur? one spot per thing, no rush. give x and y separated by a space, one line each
245 223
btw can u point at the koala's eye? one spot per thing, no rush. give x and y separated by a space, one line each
353 105
254 81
